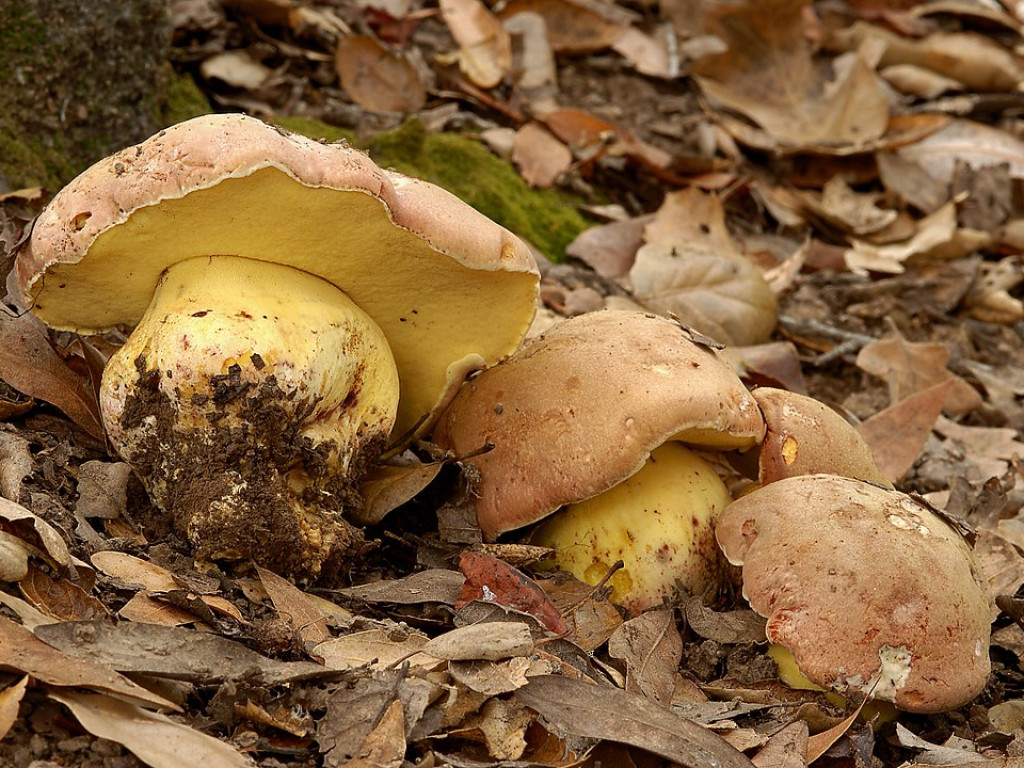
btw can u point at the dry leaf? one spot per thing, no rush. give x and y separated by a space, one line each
990 449
739 626
909 367
503 723
60 598
23 652
934 233
295 608
575 27
609 249
723 296
386 488
376 649
650 647
918 81
589 614
540 156
376 78
235 68
602 712
491 678
103 489
384 746
10 699
432 586
773 364
989 299
535 60
148 610
493 581
171 652
39 535
29 364
654 55
897 434
15 464
786 748
768 74
820 743
963 141
492 641
485 47
154 738
911 182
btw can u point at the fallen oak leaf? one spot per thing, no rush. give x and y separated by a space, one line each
603 712
154 738
491 580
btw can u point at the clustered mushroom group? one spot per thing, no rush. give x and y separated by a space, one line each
298 312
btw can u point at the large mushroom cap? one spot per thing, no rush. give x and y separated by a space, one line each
451 290
580 409
871 591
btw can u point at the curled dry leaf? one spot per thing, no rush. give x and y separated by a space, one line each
989 299
485 47
156 739
40 537
235 68
15 464
768 74
964 141
376 78
30 365
10 698
386 488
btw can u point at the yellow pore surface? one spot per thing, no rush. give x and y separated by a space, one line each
434 312
659 522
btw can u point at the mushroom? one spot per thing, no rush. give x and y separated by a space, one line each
872 592
573 418
296 308
805 437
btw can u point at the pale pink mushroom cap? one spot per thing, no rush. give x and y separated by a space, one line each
451 290
872 592
579 410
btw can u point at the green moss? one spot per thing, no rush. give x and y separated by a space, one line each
182 99
21 33
546 218
316 129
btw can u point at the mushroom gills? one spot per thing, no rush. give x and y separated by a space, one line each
249 400
659 522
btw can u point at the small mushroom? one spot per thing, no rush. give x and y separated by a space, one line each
296 308
872 592
806 437
572 419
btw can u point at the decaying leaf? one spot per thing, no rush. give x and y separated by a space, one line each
492 641
909 367
609 249
493 581
296 608
60 598
431 586
156 739
21 651
965 141
650 647
897 434
387 488
171 652
485 48
376 78
768 74
10 698
103 489
30 365
602 712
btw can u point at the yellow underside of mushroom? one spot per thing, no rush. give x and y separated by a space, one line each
659 523
441 318
258 382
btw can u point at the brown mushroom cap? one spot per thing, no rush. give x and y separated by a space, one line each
580 409
871 591
806 437
451 290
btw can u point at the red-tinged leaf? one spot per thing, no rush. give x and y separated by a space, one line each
495 581
897 434
30 365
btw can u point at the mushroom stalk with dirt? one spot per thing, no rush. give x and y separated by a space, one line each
591 426
296 311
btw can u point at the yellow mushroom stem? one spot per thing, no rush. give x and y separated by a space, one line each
659 522
248 400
